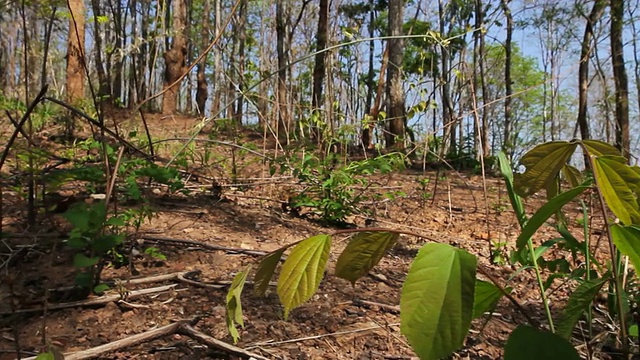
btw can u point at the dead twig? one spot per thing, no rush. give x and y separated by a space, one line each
364 303
91 302
126 342
204 245
315 337
187 329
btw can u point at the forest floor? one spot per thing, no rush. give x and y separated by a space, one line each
340 322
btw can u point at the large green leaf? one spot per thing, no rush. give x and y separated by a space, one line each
436 305
302 271
234 305
578 303
486 297
544 212
516 201
363 252
627 240
599 148
265 271
618 183
527 343
543 163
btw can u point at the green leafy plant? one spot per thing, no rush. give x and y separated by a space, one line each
334 191
441 294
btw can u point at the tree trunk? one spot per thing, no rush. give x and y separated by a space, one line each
448 136
284 121
238 111
175 58
583 71
620 79
319 68
202 90
104 88
484 122
506 143
396 112
75 52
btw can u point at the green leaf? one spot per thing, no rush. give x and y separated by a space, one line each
599 148
486 297
543 164
234 304
363 252
633 330
516 200
265 271
302 271
436 305
545 211
49 355
617 182
578 303
527 343
572 175
99 289
82 261
627 240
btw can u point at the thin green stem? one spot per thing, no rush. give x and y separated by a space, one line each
614 263
543 295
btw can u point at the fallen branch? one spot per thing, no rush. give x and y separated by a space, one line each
184 327
211 342
204 245
91 302
390 308
138 281
315 337
123 343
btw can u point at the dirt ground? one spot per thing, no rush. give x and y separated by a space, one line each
340 322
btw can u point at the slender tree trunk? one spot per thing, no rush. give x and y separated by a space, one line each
484 127
620 78
583 71
175 58
396 112
75 52
284 121
507 145
202 90
370 121
238 112
103 80
319 68
445 90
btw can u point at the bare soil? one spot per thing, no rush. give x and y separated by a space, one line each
340 322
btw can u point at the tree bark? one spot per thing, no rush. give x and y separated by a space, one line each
620 78
75 52
507 144
484 122
284 121
319 68
583 71
396 112
202 90
175 58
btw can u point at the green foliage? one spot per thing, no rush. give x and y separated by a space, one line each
441 294
527 343
234 304
332 190
302 271
579 302
362 253
486 297
436 305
